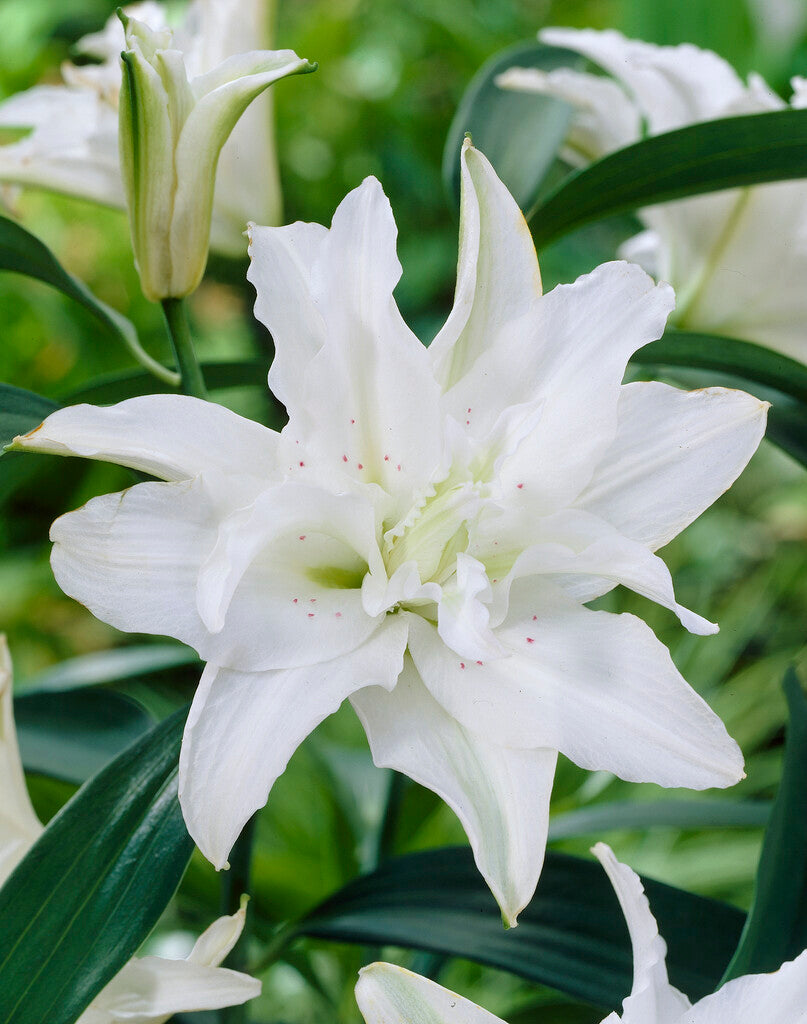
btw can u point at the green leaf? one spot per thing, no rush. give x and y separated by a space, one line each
78 906
24 253
681 814
727 355
520 134
727 153
109 667
119 386
704 360
776 928
74 734
572 936
21 411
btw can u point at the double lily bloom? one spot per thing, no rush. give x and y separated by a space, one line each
392 995
148 989
737 258
72 142
423 535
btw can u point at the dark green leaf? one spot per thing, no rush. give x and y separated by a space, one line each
73 734
109 667
706 157
776 929
78 906
687 814
572 936
119 386
21 411
520 134
754 363
24 253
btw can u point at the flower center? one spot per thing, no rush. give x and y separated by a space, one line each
434 532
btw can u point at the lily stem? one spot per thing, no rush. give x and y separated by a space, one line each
235 882
176 319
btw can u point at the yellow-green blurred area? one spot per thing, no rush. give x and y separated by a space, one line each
390 77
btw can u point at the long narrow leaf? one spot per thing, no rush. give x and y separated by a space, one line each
776 929
688 814
572 936
519 134
23 253
706 157
92 887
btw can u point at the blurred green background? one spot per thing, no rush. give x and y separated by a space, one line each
391 75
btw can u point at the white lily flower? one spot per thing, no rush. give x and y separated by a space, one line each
423 534
150 989
72 145
171 132
391 995
736 258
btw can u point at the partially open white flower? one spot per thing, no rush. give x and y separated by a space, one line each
72 145
150 989
171 132
737 258
391 995
423 535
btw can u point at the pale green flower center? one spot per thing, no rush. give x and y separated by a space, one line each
434 533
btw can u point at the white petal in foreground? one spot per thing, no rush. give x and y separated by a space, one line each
387 994
675 452
600 688
777 998
652 998
173 437
19 825
501 796
244 727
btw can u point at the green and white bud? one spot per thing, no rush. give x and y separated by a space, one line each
172 129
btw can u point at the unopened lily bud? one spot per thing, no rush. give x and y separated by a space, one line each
172 129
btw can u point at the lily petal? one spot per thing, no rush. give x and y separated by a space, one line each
672 85
360 370
498 278
780 996
600 688
173 437
19 825
244 727
392 995
501 796
652 997
674 453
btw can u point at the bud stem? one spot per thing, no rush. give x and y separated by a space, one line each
176 319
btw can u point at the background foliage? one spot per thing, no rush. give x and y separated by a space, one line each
391 76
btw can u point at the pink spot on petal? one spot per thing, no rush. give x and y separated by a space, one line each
301 537
462 664
530 640
535 618
467 423
479 663
302 463
311 615
352 421
398 467
469 410
294 600
360 466
339 615
386 458
344 458
313 600
519 486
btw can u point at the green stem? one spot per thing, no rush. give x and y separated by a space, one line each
234 883
176 319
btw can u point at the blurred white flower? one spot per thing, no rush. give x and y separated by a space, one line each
172 129
391 995
424 533
737 258
150 989
72 144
